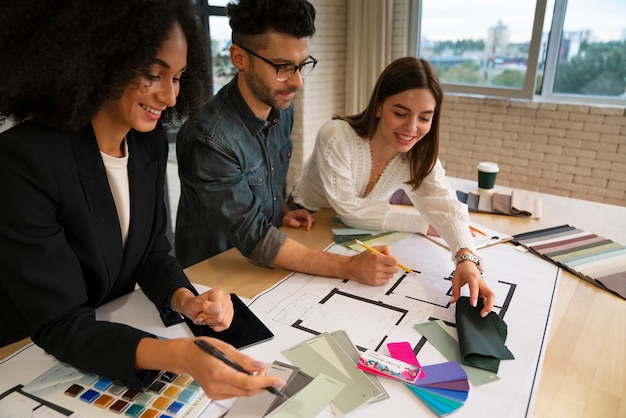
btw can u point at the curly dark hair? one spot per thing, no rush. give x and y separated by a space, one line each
250 18
63 59
400 75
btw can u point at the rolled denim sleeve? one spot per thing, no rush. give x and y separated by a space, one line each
267 249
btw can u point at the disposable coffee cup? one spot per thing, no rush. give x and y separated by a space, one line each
487 176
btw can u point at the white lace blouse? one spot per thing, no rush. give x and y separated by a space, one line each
338 172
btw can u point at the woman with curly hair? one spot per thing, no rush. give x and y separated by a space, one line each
90 85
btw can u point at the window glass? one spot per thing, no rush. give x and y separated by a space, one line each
592 55
223 69
483 42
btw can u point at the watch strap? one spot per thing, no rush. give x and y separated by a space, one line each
471 257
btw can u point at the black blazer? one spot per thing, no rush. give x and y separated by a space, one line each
61 252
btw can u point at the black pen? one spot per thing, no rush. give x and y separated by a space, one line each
228 361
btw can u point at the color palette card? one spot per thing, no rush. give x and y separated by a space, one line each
444 390
311 400
323 354
263 403
443 387
163 394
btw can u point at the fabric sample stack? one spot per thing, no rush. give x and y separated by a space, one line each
518 203
596 259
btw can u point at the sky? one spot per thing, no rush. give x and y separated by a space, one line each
606 18
219 28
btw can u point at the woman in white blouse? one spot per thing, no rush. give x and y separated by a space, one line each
359 161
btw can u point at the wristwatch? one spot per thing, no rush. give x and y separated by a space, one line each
471 257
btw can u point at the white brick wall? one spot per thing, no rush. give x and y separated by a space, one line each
569 150
324 90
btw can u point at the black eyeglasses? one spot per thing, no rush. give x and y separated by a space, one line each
285 71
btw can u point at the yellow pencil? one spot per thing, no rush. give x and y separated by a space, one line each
367 247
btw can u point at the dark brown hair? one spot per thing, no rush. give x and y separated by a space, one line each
404 74
251 18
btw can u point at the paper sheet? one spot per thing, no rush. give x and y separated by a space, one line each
525 286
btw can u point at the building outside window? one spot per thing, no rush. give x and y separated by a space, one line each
565 49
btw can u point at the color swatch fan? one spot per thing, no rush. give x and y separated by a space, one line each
442 387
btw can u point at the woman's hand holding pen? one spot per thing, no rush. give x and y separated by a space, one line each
217 379
213 308
221 381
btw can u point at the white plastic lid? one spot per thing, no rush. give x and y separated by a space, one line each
488 167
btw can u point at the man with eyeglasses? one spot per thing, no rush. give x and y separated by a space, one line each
233 160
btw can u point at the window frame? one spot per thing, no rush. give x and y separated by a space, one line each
550 65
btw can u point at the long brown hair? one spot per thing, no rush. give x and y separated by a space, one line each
404 74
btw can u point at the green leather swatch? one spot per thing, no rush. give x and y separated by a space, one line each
481 340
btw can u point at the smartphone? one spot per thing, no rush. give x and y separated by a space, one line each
245 330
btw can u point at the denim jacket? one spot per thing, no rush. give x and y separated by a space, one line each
233 169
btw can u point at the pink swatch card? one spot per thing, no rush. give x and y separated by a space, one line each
402 351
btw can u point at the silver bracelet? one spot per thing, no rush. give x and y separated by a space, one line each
471 257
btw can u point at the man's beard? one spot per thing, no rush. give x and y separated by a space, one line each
265 94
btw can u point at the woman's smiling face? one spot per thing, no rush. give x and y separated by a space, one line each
144 99
405 118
